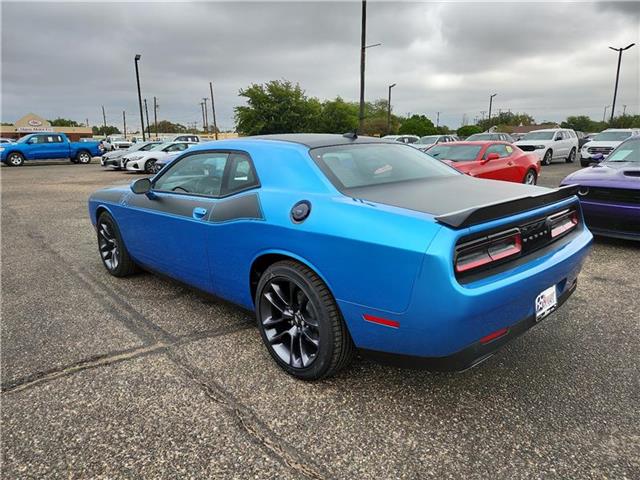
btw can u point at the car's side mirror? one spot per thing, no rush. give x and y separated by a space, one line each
492 156
142 185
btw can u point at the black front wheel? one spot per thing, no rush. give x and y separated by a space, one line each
113 253
300 323
15 159
530 178
83 157
149 166
546 160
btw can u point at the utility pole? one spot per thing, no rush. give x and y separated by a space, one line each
124 123
204 123
437 119
136 59
615 90
206 114
482 113
604 115
389 110
155 114
146 111
213 112
363 39
624 110
491 104
87 121
104 119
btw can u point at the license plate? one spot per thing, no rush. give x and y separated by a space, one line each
546 302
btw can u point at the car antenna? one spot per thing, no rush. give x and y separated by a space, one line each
351 135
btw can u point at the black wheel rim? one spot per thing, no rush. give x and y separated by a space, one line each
108 245
290 323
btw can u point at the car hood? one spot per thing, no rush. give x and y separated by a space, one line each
612 174
115 154
612 143
447 195
533 142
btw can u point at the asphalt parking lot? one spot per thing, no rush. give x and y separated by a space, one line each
143 377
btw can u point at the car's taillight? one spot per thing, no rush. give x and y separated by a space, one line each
563 222
487 250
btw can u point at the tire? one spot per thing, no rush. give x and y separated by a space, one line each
309 323
149 166
584 163
111 247
156 167
548 156
15 159
572 156
530 178
83 157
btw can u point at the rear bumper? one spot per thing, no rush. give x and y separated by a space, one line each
470 356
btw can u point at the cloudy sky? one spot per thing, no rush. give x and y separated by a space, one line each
547 59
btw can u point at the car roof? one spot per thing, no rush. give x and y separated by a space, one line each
475 142
315 140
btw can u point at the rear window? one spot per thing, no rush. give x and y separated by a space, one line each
352 166
483 136
455 153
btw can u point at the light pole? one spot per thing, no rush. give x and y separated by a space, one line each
146 111
437 119
604 115
213 112
206 114
363 48
136 60
615 90
389 109
491 104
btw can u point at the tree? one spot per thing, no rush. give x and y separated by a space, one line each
506 119
277 107
102 130
64 122
468 130
418 125
165 126
339 116
581 123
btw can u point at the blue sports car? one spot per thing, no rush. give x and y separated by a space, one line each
345 243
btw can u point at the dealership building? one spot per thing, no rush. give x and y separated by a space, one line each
32 123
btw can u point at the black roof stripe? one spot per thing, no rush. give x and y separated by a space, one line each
315 140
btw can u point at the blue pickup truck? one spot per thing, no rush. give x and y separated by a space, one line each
48 146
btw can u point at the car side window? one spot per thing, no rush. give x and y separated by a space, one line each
201 174
501 150
241 174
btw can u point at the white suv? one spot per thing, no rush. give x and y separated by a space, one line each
551 143
604 142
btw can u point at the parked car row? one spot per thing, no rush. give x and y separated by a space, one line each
143 156
48 146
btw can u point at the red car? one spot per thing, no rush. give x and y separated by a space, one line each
488 159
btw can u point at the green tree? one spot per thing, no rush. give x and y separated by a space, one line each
102 130
581 123
277 107
506 119
625 121
339 116
417 125
468 130
165 126
64 122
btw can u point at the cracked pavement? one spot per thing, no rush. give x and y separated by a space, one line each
144 377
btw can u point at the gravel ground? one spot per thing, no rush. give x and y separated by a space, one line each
143 377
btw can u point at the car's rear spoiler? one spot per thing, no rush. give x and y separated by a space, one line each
492 211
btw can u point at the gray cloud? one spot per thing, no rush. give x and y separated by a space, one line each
551 60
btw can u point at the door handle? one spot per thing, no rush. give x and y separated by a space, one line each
199 213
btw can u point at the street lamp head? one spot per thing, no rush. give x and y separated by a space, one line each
137 57
392 85
629 46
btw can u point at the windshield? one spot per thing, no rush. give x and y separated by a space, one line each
629 151
352 166
611 136
539 136
483 136
428 140
455 153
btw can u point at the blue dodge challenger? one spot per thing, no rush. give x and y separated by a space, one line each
345 243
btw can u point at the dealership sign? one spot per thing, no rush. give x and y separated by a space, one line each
34 129
34 123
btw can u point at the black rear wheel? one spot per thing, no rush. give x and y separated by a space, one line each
113 252
149 166
300 323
